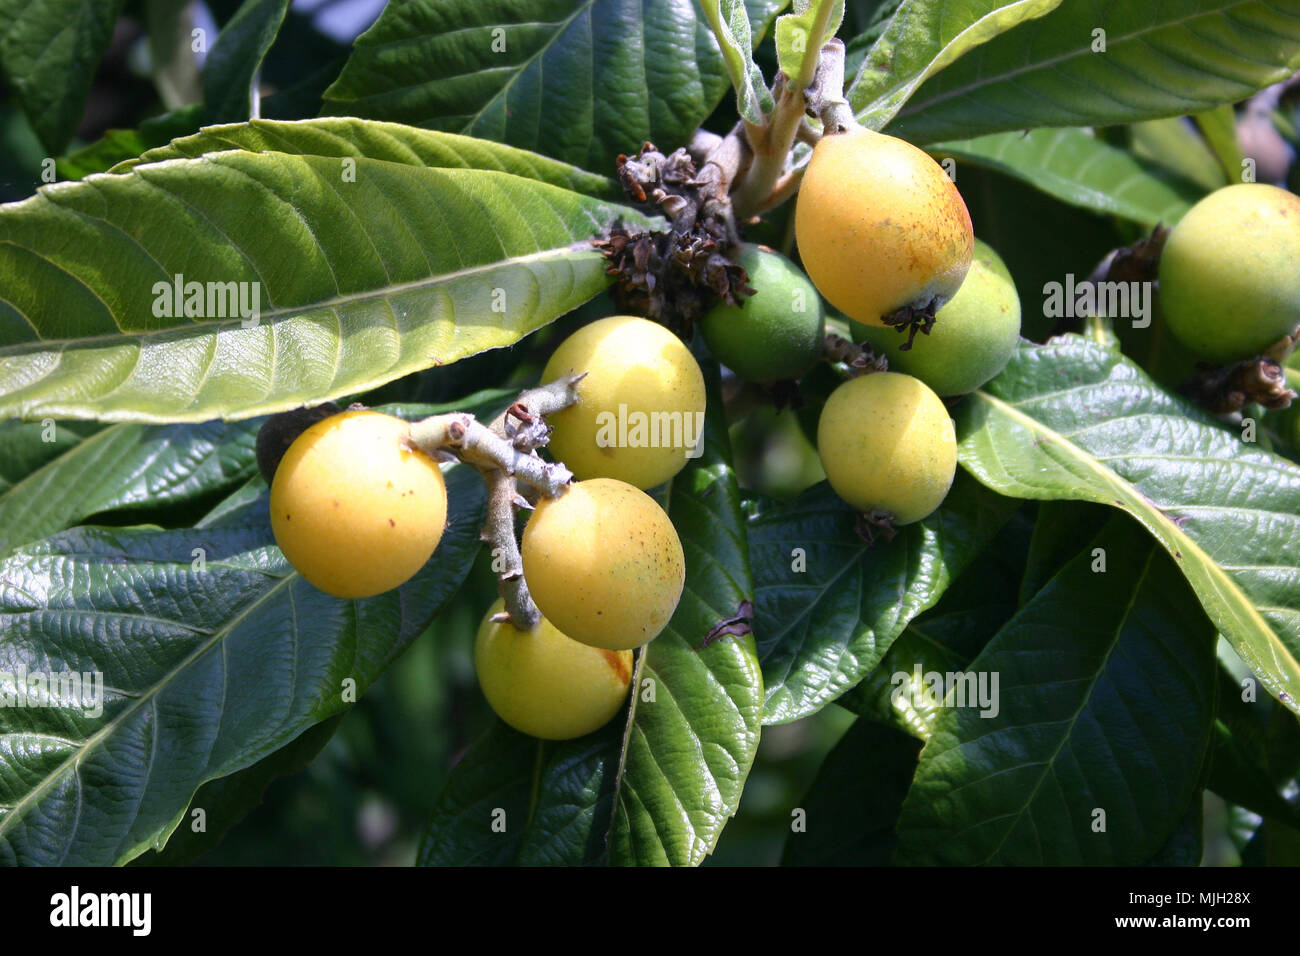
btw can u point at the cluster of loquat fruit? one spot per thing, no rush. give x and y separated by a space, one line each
357 510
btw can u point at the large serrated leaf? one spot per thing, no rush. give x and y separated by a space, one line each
207 667
1159 59
580 81
1075 420
1079 168
1094 746
828 606
924 37
359 271
660 789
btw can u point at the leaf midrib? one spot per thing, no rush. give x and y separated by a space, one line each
91 743
913 108
1150 516
268 316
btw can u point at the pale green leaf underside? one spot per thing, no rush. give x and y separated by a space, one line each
924 37
350 138
359 282
1073 420
1078 168
1160 59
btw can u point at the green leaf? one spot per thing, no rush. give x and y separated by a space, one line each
1219 127
850 814
388 142
1186 845
27 446
1071 420
729 20
227 800
801 34
49 52
1078 168
1061 525
1174 144
205 670
827 606
689 749
237 57
947 637
924 37
581 82
127 467
660 788
1104 702
1160 59
553 799
358 271
117 145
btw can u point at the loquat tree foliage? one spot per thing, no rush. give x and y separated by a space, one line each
639 378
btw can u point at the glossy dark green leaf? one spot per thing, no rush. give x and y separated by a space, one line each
227 800
828 606
1096 63
853 804
27 446
1186 845
236 57
1073 420
947 637
213 653
1100 721
49 51
580 81
127 467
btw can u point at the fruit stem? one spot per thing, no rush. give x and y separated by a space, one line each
502 452
507 562
818 90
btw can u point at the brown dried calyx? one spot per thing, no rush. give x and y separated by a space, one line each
1255 381
675 276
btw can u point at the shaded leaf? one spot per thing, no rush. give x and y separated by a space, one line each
1072 420
828 606
1161 59
205 670
1104 712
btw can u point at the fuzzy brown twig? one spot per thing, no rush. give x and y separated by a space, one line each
502 452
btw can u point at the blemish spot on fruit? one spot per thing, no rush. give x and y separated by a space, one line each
392 523
618 664
336 502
